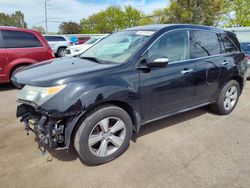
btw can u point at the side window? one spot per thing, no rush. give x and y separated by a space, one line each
19 39
173 45
1 40
54 38
204 43
229 46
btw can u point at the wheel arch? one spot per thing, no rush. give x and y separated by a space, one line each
75 123
16 66
240 80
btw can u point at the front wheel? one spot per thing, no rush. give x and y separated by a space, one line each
61 52
227 99
104 135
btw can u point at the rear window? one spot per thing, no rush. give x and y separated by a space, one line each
54 38
83 38
20 39
245 47
229 46
204 43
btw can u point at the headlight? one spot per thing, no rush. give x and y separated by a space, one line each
39 95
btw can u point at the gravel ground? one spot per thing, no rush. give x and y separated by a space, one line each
193 149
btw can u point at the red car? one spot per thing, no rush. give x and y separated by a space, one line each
19 48
82 40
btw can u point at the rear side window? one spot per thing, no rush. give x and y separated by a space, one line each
229 46
204 43
19 39
54 38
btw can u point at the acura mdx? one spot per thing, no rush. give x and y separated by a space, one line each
98 100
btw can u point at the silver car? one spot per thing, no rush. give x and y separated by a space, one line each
58 44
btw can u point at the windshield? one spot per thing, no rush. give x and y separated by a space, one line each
118 47
91 41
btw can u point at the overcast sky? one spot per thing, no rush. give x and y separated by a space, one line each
70 10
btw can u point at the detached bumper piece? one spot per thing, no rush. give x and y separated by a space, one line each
48 131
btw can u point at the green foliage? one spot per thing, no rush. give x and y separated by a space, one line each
114 18
204 12
69 28
16 19
39 28
238 13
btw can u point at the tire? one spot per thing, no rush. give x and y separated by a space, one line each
221 106
61 52
92 152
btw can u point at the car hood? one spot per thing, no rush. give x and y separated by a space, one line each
58 71
80 46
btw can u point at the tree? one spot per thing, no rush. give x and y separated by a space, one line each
15 19
39 28
204 12
112 19
238 13
70 28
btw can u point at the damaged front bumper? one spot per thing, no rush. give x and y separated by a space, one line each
50 130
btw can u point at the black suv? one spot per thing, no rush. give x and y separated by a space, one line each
130 78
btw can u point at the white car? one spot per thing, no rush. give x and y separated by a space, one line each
58 44
78 49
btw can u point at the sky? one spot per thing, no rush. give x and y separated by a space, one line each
70 10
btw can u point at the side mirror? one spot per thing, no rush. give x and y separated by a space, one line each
158 62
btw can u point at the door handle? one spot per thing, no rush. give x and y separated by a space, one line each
186 71
225 62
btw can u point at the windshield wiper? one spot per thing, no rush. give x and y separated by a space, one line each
92 59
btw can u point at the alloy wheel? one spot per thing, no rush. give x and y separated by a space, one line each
230 98
107 136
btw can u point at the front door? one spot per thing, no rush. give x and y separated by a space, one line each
169 89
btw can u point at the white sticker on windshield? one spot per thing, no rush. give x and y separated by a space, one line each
145 33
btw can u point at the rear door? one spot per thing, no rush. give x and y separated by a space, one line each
206 52
3 58
20 44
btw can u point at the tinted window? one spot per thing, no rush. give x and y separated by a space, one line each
245 47
83 38
54 38
173 45
204 43
229 46
19 39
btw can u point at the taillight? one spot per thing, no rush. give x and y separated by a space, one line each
51 53
246 57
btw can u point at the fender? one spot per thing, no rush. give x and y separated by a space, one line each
17 62
91 99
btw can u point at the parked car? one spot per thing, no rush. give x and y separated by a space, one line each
79 49
245 46
58 43
82 40
20 48
101 98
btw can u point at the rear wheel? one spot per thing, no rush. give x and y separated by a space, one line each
104 135
61 52
227 99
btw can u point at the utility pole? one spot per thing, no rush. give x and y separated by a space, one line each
46 19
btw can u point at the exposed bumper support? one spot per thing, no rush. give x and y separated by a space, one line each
48 131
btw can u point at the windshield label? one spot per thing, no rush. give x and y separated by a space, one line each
145 33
